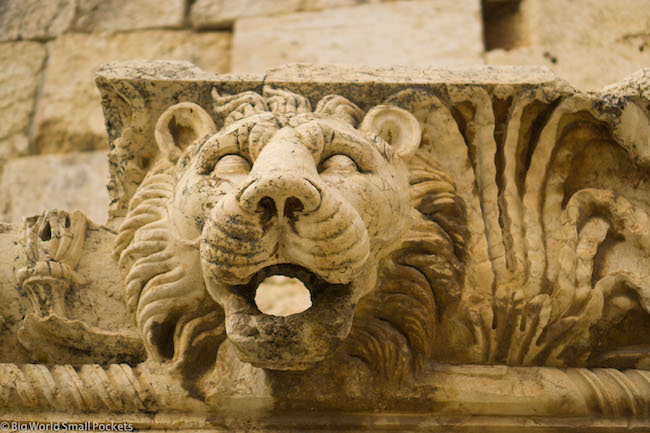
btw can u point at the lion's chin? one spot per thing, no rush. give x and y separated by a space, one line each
293 342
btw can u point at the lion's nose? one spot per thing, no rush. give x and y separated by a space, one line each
281 195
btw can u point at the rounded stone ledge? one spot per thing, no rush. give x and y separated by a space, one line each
488 391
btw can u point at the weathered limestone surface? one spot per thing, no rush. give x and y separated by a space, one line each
590 43
13 305
69 117
584 67
308 5
222 13
407 33
585 22
98 15
69 181
475 244
22 63
35 19
98 307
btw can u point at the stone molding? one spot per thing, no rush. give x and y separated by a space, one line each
119 388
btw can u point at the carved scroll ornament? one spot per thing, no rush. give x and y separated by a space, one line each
471 222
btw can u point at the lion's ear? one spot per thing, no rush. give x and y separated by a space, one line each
179 126
398 127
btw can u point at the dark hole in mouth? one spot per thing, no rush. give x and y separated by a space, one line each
312 282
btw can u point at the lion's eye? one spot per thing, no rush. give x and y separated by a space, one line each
338 162
232 164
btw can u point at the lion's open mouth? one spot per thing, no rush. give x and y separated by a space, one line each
298 291
295 341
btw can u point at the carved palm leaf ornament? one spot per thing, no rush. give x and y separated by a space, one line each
476 245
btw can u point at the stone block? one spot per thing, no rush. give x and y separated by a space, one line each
222 13
35 19
96 15
314 5
585 22
408 33
19 76
584 67
68 182
69 117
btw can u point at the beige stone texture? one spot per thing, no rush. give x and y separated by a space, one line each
20 71
72 181
98 15
222 13
313 5
584 22
590 43
584 67
218 14
69 117
35 19
409 33
12 304
475 243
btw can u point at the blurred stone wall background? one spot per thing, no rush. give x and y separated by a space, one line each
52 139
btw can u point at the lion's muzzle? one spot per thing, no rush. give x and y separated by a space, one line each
284 221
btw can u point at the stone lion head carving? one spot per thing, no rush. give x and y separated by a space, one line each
343 200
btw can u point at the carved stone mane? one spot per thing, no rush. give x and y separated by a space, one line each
419 278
